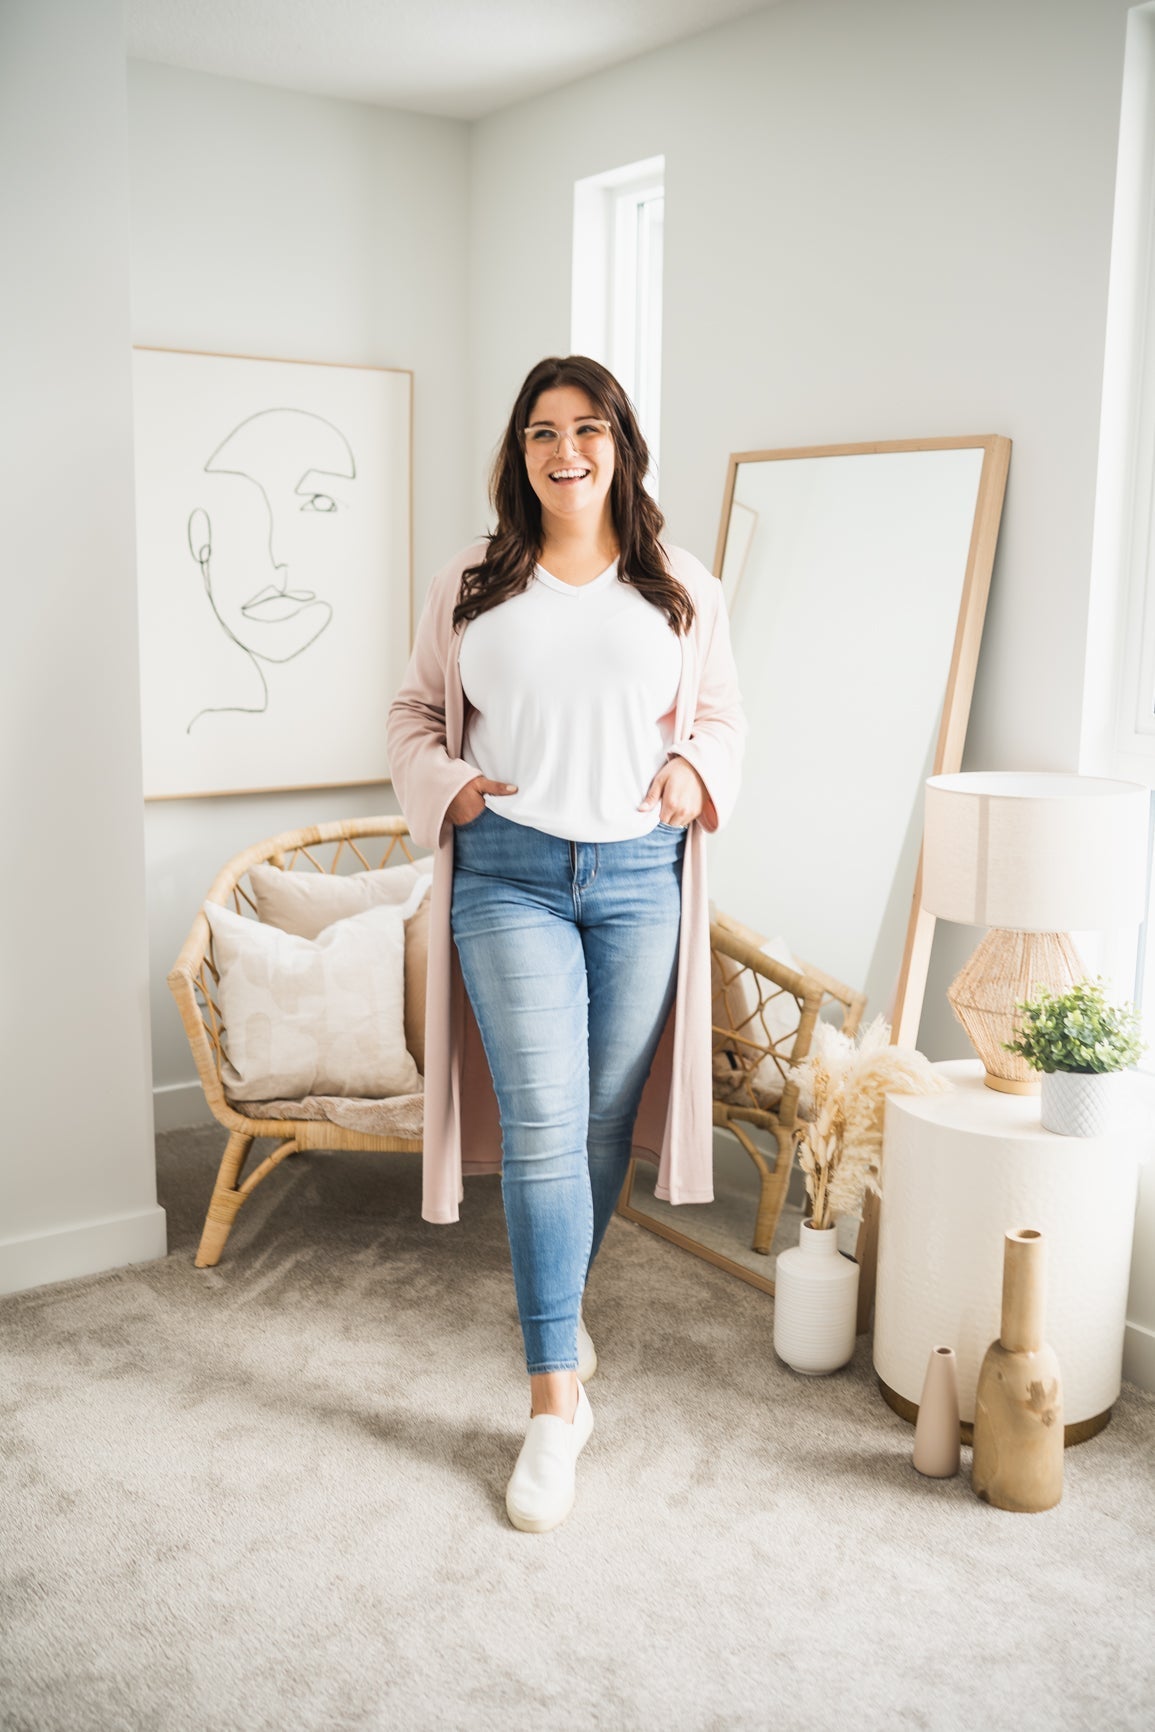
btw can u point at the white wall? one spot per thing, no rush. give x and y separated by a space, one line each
77 1177
883 220
1123 509
269 223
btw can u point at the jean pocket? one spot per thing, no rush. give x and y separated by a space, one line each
470 822
673 829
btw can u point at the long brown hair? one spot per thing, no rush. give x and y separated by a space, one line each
514 546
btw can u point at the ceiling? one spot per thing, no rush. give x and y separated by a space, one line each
458 58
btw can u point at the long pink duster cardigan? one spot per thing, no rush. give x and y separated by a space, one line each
425 731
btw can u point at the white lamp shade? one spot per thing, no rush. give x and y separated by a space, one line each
1034 851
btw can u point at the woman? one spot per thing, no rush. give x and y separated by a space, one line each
568 726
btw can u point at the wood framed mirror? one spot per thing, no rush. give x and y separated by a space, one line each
856 579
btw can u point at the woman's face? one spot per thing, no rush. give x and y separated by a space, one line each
573 481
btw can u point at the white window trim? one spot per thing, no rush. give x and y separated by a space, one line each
617 284
1118 732
1121 640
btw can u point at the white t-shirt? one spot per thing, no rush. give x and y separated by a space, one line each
573 689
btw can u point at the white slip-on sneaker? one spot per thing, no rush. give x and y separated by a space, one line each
541 1489
587 1356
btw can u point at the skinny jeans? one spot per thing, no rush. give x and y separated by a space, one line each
569 953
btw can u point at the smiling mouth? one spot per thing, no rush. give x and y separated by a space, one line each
276 604
568 477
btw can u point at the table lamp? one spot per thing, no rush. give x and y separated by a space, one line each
1033 856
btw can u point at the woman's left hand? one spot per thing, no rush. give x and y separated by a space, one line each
680 791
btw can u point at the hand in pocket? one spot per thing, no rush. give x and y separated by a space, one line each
468 804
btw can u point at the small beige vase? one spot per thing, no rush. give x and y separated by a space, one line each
1018 1430
936 1434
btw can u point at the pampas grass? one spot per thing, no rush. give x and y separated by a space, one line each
844 1085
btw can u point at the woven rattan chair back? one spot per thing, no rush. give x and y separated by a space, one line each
740 1095
357 843
755 1072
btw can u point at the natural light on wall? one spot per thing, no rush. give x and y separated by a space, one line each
617 284
1118 735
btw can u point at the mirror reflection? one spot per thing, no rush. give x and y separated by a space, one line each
856 581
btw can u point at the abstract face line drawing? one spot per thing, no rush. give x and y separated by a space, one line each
274 518
286 454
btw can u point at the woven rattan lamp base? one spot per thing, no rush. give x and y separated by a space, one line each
1006 968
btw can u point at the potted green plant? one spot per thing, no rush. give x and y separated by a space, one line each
1081 1044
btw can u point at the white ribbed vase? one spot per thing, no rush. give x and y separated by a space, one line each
815 1303
1079 1103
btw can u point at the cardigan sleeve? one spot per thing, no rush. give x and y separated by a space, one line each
424 772
717 739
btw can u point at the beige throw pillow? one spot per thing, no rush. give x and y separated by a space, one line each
319 1016
306 902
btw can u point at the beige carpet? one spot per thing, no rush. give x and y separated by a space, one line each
271 1496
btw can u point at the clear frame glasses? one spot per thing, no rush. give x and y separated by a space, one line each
584 435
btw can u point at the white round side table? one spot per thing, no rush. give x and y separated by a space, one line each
958 1170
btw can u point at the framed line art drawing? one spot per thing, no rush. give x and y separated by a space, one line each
273 510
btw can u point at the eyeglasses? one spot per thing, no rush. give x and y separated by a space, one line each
583 435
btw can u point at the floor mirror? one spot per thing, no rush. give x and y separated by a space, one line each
856 579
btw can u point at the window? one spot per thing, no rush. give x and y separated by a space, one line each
1119 684
617 284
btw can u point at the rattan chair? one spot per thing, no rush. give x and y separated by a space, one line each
755 1075
740 1099
193 980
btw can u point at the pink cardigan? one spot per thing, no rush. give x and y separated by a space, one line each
425 728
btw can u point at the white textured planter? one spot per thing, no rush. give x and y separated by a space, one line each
815 1303
1077 1103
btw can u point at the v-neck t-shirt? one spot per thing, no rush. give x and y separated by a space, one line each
572 688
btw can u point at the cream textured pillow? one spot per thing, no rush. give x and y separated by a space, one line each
306 902
319 1016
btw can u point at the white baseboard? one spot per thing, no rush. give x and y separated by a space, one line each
90 1248
177 1105
1139 1355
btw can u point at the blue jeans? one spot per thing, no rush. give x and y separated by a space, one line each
569 952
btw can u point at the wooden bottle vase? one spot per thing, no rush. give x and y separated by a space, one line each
1018 1428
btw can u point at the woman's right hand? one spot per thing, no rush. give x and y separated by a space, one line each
467 803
